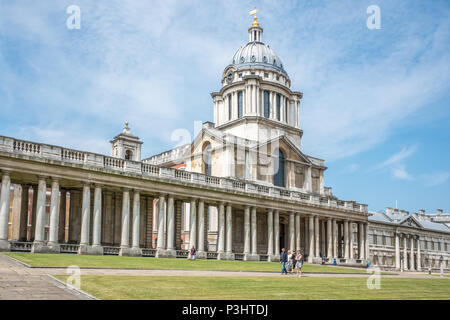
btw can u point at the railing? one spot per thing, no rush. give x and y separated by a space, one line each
21 246
182 253
111 251
96 160
211 255
72 155
148 252
26 147
69 248
239 256
263 257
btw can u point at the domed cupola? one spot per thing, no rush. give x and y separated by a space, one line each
257 54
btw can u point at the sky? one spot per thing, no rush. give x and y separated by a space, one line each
375 106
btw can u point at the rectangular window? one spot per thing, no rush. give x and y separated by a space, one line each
266 75
374 239
266 104
240 104
230 109
278 107
383 240
286 110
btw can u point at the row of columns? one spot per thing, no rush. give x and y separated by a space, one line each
402 264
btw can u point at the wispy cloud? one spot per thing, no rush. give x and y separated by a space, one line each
435 179
401 173
404 153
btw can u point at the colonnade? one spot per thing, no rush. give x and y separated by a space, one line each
401 254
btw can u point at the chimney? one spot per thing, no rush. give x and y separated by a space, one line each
439 211
389 211
404 213
422 212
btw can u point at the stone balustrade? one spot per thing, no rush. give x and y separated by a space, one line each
44 151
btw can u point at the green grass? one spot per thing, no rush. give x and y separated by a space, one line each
259 288
115 262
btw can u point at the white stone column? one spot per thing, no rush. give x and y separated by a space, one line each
330 238
201 229
193 224
366 241
125 238
171 224
405 253
247 230
135 250
40 211
397 251
297 231
361 241
97 230
270 233
335 239
411 257
254 232
221 231
54 221
276 231
317 236
4 210
85 216
346 240
350 230
229 230
291 231
419 258
311 238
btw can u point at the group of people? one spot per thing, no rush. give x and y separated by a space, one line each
290 261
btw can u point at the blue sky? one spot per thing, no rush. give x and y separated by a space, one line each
375 106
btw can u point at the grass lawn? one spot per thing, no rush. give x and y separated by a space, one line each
65 260
259 288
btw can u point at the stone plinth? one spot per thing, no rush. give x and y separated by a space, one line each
53 247
135 252
165 253
39 247
251 257
5 245
200 255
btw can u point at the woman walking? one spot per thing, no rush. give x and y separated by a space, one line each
192 253
299 263
292 262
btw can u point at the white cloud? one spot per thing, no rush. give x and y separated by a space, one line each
435 179
404 153
401 173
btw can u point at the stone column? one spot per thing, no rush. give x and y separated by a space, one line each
125 239
135 248
330 239
254 232
270 234
297 231
221 231
397 252
366 241
361 241
201 254
97 230
193 224
19 213
405 253
229 231
292 231
61 216
85 219
38 244
335 239
419 259
171 225
411 257
350 227
276 231
4 210
54 207
160 245
246 231
311 238
317 236
23 229
346 240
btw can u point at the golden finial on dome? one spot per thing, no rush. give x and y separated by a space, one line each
126 123
255 18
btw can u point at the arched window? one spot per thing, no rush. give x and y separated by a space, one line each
128 155
278 177
207 158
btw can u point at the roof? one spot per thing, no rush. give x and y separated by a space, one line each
381 217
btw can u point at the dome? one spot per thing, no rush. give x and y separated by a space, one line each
257 54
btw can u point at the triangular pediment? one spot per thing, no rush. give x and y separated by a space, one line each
410 222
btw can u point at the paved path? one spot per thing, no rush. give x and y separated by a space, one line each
18 282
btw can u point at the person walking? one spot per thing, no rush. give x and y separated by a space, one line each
292 262
299 263
289 263
283 260
192 253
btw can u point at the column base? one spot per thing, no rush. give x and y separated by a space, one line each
124 251
225 256
96 250
53 247
135 252
274 258
39 247
5 245
200 255
165 253
251 257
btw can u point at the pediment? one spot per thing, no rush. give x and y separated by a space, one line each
410 222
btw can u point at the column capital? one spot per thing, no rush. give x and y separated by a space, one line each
98 185
125 189
55 179
87 184
42 177
6 172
